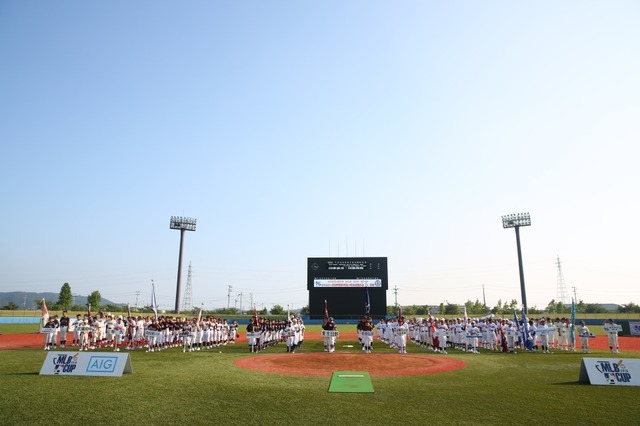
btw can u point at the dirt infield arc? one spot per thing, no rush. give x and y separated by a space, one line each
324 364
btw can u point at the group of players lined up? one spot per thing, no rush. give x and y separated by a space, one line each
264 332
191 334
491 333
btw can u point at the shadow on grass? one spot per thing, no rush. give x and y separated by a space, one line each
33 373
576 383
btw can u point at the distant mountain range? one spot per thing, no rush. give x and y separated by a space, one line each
27 299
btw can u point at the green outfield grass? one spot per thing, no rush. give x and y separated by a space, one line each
205 387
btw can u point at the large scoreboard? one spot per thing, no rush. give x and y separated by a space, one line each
347 284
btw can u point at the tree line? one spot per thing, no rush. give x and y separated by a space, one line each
65 302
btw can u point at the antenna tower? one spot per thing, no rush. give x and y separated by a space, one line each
187 303
561 288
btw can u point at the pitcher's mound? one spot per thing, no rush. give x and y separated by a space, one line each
324 364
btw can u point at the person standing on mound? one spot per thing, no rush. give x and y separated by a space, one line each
401 332
329 341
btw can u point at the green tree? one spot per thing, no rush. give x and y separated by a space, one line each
38 303
534 310
409 310
304 310
65 298
581 306
94 300
595 308
498 309
277 310
11 306
451 309
114 308
422 310
441 309
629 308
552 307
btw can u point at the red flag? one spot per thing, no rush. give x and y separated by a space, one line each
128 310
399 311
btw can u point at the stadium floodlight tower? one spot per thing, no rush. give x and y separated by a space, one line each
183 224
516 221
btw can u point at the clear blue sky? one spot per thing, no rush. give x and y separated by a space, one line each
298 129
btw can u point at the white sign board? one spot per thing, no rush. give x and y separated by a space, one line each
612 328
610 371
86 364
634 328
337 283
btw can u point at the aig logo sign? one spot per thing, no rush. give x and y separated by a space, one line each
85 364
102 364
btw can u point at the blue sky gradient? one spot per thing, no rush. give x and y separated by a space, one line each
299 129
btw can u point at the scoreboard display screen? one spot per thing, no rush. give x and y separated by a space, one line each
347 284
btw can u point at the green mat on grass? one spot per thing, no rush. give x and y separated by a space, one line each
351 381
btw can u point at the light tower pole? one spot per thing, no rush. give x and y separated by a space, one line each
183 224
516 221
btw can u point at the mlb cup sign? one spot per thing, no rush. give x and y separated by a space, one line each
610 371
85 364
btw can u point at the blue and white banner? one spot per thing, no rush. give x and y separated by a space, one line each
610 371
634 328
86 364
339 283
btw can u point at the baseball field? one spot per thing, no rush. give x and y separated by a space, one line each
228 386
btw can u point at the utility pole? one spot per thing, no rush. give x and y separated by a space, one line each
240 295
395 292
561 290
137 294
187 302
229 297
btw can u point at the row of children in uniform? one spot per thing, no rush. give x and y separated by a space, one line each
490 333
264 332
107 330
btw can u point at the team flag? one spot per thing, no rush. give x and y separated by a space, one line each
516 322
45 313
528 341
466 318
154 302
128 310
399 311
367 302
572 333
326 310
199 318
